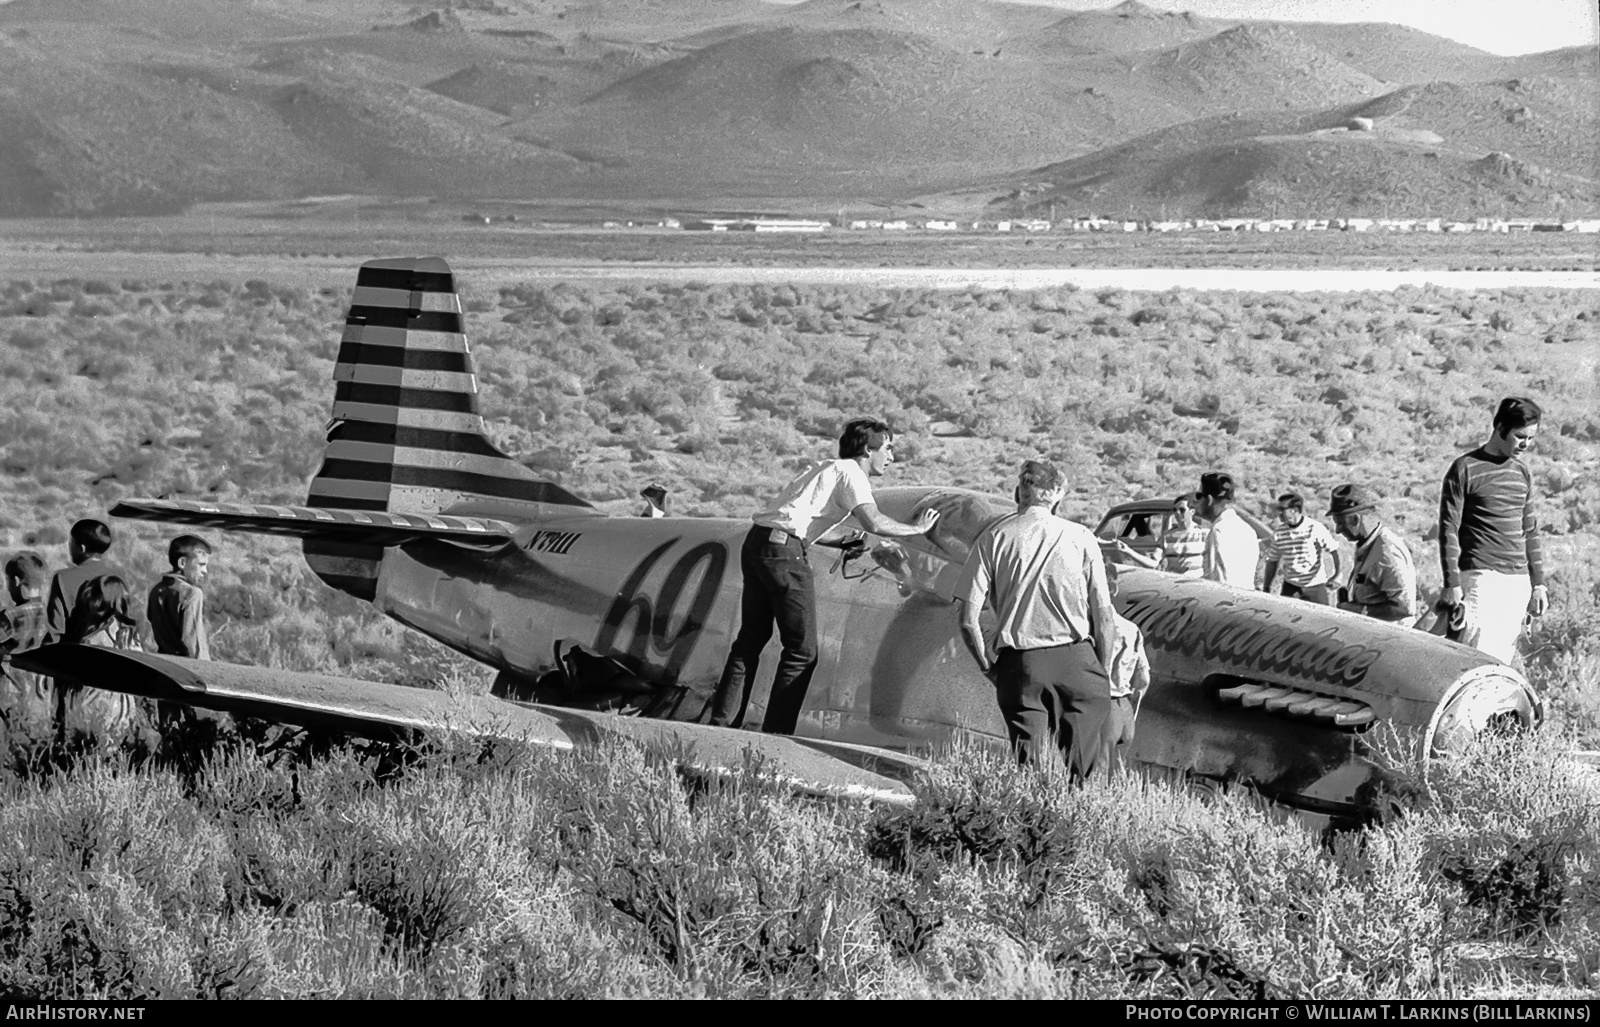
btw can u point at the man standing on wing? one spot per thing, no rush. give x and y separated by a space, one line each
1489 537
1383 582
1055 626
1298 547
777 572
1232 548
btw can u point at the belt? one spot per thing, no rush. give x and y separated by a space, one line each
778 536
1041 648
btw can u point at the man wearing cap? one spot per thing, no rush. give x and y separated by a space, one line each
655 501
1383 582
1232 546
1055 626
777 572
1488 535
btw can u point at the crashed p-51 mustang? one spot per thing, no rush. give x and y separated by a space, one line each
415 511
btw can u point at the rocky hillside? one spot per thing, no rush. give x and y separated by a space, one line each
153 105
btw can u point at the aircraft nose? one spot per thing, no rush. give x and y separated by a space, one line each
1484 699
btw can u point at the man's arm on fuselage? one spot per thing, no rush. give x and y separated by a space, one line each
871 518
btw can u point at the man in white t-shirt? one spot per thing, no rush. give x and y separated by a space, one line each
1232 548
777 572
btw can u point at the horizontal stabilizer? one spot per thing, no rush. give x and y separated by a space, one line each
369 527
378 709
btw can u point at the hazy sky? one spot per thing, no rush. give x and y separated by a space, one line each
1498 26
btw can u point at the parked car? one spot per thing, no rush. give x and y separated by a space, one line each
1140 523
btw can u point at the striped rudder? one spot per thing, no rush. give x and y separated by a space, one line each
406 434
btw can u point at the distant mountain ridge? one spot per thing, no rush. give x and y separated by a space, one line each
153 105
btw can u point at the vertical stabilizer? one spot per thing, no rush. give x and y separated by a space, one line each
406 434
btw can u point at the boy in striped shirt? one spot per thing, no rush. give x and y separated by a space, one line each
1297 548
1488 535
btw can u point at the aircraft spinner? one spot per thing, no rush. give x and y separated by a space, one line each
417 512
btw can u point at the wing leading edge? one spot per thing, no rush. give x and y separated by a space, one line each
367 527
379 709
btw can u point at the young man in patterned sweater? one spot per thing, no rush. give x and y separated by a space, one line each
1489 536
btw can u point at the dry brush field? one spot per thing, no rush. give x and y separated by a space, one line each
371 871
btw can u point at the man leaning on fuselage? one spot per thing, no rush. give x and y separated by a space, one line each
777 575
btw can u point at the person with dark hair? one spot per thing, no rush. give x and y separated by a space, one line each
1055 629
1489 537
1233 547
1301 548
100 617
87 545
24 695
775 562
1183 545
1383 582
175 607
655 501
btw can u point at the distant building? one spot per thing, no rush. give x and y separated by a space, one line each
786 225
939 226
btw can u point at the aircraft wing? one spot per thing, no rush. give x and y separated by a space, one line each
370 527
380 710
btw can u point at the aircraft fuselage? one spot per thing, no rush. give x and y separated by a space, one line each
892 671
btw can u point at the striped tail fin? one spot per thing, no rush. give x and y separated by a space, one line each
406 436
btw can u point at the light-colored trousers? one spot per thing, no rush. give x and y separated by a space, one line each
1496 604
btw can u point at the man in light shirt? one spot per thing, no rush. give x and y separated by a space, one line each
1383 583
777 572
1232 546
1055 633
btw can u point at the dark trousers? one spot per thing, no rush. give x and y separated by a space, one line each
777 588
1321 594
1054 699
